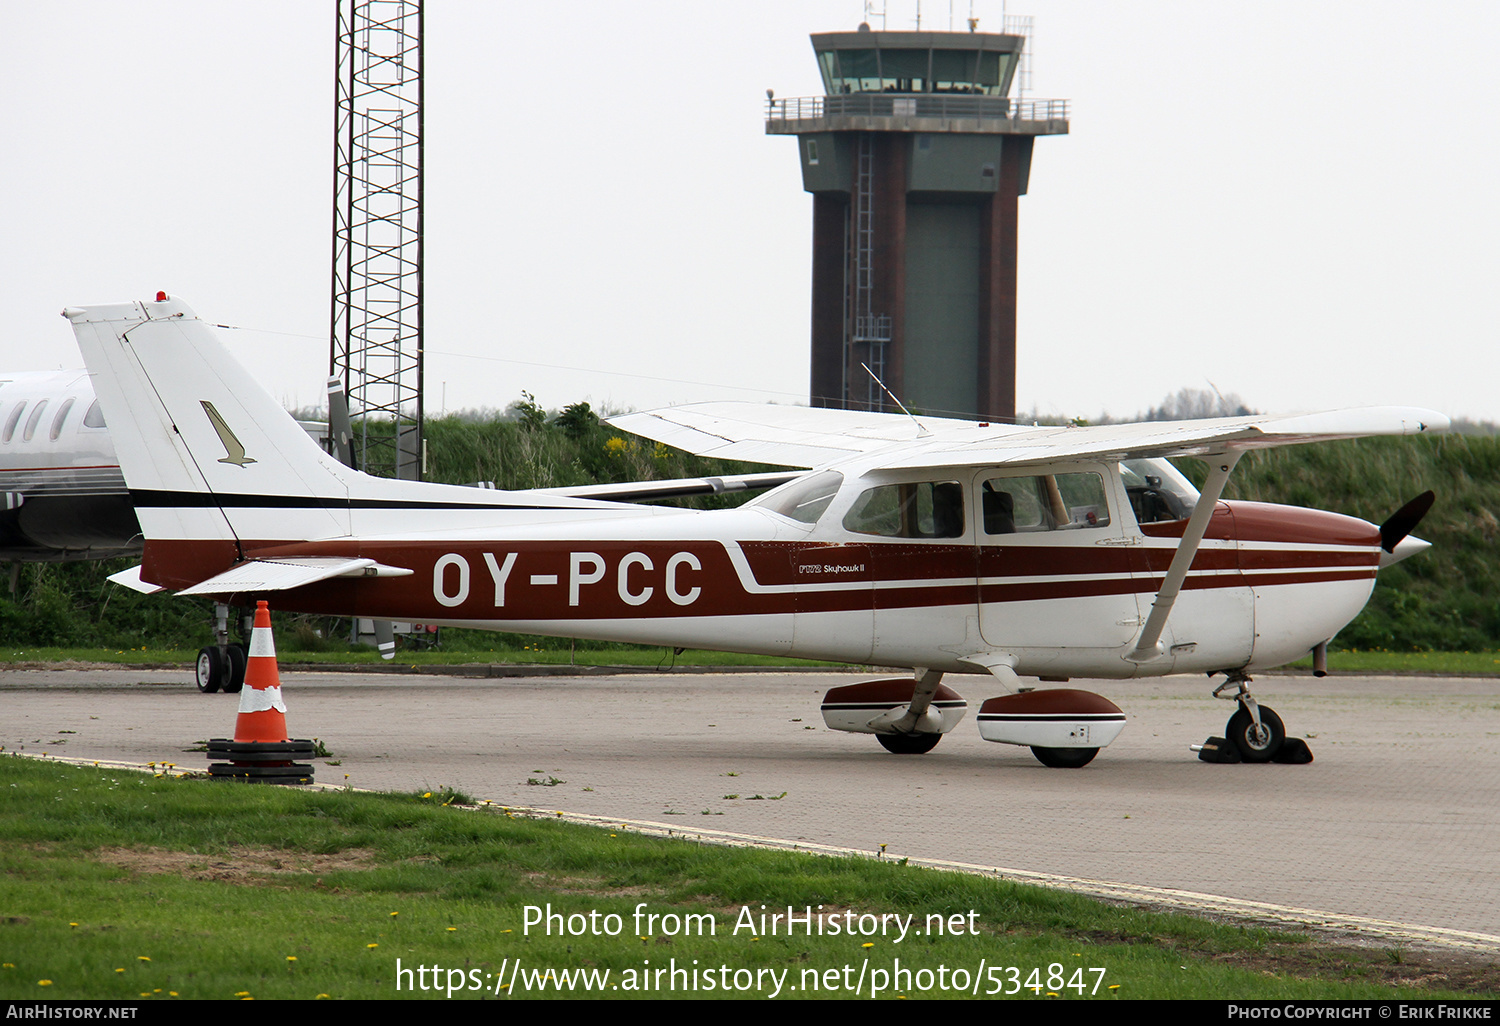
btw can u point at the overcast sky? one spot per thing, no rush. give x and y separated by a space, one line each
1293 201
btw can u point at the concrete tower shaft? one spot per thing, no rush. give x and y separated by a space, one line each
916 156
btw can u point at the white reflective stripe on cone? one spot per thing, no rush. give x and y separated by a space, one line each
254 700
261 643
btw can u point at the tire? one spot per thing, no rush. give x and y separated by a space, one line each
1064 758
209 670
1241 733
234 676
908 744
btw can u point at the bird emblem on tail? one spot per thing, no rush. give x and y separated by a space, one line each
233 450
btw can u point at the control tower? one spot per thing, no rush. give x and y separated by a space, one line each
915 156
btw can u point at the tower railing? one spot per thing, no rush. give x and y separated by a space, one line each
918 105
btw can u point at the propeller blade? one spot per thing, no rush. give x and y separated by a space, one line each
1405 520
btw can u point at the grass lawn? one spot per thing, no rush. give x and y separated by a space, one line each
129 886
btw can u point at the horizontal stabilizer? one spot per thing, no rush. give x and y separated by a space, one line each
258 575
132 579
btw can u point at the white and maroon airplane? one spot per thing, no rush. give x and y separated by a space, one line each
949 547
62 496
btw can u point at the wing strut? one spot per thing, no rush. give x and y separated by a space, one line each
1219 469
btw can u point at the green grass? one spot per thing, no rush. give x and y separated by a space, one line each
1448 664
117 885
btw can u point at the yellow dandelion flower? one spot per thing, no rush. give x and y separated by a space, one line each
372 947
44 983
291 958
143 958
242 993
393 914
452 929
321 997
868 944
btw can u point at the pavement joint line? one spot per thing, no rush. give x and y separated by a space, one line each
1171 898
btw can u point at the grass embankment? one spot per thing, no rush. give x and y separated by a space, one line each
126 886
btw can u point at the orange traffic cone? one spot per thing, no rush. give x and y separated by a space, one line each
261 752
262 712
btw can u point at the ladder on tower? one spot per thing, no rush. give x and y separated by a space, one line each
872 332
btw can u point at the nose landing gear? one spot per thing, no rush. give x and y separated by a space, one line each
1254 733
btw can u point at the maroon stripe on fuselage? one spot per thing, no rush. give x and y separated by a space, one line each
698 577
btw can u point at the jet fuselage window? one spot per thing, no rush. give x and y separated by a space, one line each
62 415
95 417
31 421
1049 502
13 420
925 509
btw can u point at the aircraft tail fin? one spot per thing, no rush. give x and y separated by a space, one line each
206 452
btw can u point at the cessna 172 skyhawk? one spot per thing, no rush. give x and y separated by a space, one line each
945 546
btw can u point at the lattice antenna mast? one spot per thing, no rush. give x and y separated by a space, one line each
376 333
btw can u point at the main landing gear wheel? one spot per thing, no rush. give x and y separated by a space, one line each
1064 758
234 671
1256 744
209 671
909 744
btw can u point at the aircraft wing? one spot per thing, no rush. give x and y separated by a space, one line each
789 436
808 437
644 491
1112 442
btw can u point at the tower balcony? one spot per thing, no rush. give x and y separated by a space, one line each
916 112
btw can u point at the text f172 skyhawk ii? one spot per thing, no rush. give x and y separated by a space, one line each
946 546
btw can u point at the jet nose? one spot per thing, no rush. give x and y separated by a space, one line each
1407 546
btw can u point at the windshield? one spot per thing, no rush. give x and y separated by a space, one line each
1158 491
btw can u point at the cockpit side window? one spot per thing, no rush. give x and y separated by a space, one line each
95 417
926 509
1047 502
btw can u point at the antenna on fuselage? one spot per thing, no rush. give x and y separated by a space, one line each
898 402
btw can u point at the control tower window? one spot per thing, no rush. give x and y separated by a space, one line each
983 74
903 71
856 71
